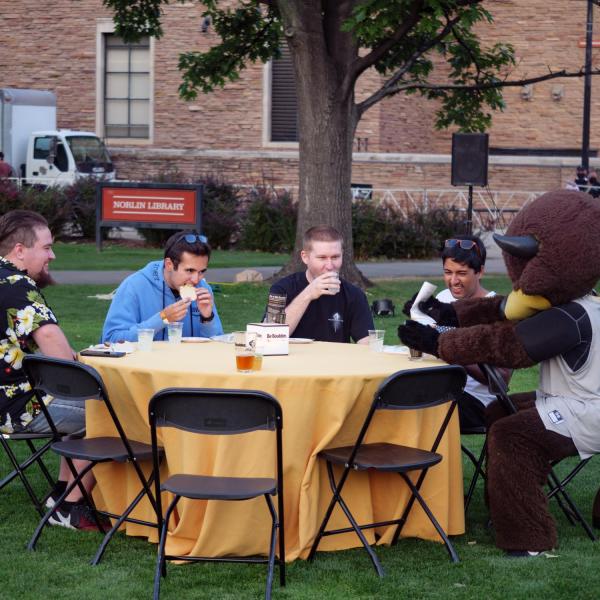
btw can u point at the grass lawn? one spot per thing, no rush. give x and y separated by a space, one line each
415 569
119 257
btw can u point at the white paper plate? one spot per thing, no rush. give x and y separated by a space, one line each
126 347
195 340
224 337
301 340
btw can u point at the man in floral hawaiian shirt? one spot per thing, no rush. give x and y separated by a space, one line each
28 325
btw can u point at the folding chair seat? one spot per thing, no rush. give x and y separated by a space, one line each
219 412
74 381
34 457
556 484
406 390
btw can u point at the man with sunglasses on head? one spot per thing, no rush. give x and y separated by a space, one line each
161 293
463 260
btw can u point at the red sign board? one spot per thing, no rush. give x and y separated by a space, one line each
154 205
149 205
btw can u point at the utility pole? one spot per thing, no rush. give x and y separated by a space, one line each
587 89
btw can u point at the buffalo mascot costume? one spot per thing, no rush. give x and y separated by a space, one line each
551 318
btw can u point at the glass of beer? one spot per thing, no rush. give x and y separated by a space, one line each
245 350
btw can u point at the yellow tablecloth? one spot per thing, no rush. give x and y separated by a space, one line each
325 390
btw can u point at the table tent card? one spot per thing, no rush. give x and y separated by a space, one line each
272 338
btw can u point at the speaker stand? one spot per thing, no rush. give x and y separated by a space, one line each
469 224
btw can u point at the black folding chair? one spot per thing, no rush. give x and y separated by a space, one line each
34 457
556 484
74 381
219 412
406 390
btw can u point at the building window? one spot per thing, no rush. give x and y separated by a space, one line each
284 101
126 88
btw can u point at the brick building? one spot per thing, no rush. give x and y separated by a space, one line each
129 96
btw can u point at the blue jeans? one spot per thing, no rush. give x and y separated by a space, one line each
68 416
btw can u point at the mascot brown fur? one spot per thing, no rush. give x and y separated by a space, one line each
552 254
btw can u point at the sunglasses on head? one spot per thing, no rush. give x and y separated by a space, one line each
463 244
191 238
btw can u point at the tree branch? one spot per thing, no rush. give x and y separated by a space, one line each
390 84
492 84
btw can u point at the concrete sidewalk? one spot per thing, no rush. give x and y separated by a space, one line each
372 270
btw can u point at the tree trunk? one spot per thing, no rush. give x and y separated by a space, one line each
327 122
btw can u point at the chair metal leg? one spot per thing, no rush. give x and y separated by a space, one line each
272 546
442 533
572 512
281 526
337 499
161 565
361 536
100 552
332 503
38 459
478 471
19 471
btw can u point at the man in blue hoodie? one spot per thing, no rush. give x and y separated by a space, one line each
162 293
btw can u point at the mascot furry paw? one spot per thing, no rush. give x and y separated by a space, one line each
552 254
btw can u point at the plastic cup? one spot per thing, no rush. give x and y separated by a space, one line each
245 350
415 354
145 338
175 331
376 339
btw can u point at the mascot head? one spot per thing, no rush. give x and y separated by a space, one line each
552 251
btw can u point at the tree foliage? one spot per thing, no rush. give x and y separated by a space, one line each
417 46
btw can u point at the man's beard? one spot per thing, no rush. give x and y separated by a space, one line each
44 279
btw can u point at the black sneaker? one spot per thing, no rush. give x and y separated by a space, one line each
77 516
52 498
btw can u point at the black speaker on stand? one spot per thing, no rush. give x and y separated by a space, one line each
470 165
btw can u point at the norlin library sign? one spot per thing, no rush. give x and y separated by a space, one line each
159 205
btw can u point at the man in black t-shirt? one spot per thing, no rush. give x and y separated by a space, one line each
320 305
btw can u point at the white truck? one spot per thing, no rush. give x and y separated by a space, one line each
40 153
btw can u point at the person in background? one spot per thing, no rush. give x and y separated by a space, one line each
581 179
28 325
594 184
320 305
164 291
5 169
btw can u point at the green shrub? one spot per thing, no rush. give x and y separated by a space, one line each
220 210
269 221
51 203
382 231
82 197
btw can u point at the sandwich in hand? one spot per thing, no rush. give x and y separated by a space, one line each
187 292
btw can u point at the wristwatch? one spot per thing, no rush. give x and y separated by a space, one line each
163 316
207 319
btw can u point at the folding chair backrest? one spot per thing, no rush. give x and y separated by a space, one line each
215 411
421 388
498 386
70 380
65 379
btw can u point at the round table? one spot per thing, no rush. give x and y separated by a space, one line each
325 390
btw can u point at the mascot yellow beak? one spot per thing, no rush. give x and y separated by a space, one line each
519 306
